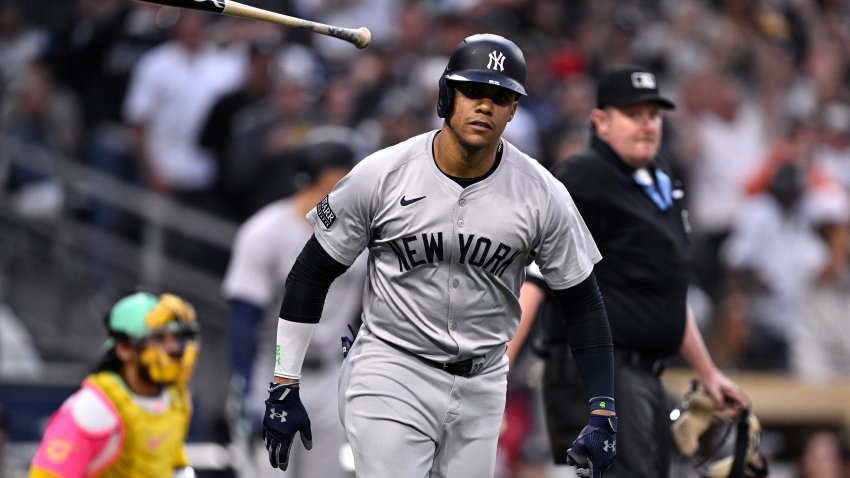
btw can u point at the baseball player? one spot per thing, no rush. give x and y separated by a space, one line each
131 416
451 218
261 260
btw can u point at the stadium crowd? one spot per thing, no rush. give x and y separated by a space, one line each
207 111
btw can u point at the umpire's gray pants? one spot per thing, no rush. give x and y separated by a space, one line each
643 407
404 418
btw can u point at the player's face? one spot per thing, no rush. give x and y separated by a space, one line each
480 113
633 132
155 361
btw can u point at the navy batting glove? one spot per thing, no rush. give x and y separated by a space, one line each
594 450
285 416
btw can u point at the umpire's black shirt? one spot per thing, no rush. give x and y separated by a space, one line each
645 263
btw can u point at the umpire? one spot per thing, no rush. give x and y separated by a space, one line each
634 211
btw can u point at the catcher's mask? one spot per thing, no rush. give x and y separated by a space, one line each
483 58
147 322
720 444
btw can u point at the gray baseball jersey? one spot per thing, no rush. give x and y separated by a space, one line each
265 249
446 263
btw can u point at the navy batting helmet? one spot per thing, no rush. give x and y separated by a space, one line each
483 58
313 158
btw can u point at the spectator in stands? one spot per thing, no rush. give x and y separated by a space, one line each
270 129
769 225
95 56
729 332
729 129
572 102
225 118
171 91
822 350
821 456
21 42
833 153
39 111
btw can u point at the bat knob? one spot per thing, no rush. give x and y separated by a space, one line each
363 37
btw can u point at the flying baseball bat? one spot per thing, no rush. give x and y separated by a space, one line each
359 37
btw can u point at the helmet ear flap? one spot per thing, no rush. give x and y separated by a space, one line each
446 98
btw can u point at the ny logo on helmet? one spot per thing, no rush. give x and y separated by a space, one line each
274 415
496 61
643 80
609 446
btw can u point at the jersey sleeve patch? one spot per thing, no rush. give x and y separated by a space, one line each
325 213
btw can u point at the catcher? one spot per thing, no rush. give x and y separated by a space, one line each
129 419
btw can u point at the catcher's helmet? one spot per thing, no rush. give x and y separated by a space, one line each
720 444
482 58
142 316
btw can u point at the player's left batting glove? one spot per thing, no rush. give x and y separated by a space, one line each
594 450
285 416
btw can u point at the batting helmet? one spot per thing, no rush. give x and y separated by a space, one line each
482 58
309 160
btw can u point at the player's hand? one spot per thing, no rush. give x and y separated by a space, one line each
594 450
285 416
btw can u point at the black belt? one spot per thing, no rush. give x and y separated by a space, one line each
647 363
461 368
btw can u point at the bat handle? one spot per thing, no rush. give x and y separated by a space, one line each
359 37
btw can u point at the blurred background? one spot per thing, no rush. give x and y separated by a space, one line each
108 185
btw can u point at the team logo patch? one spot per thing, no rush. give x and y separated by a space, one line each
496 61
643 80
58 450
326 214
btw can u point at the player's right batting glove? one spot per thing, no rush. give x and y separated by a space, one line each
594 450
285 416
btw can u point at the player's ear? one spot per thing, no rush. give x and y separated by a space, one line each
599 119
123 351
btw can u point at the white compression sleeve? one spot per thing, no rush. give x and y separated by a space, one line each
293 338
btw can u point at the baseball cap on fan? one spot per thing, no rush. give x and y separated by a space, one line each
629 85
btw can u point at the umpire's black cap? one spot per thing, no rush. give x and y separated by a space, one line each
629 85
